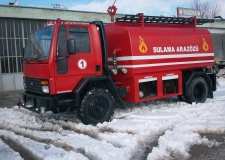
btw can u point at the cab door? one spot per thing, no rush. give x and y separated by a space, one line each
86 61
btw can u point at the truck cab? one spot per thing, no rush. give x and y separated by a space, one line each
64 61
47 58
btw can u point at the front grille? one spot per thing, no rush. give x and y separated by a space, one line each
33 85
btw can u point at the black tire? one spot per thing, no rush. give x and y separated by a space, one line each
197 91
55 111
180 98
97 106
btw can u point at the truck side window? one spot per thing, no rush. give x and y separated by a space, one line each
81 36
62 64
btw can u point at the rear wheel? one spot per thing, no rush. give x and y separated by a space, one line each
97 106
197 91
180 98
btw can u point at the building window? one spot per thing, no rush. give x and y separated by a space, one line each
13 36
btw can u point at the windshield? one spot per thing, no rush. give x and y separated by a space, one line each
38 44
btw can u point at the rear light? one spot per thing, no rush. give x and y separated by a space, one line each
58 21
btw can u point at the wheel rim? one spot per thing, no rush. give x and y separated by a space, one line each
98 107
198 91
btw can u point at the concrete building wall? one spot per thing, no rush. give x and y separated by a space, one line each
215 25
12 81
9 11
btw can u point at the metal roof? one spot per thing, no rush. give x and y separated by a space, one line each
9 11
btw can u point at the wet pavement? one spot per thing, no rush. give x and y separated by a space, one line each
199 152
10 98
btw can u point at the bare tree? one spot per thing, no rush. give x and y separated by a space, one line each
208 8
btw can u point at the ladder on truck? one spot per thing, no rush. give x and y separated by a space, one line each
140 17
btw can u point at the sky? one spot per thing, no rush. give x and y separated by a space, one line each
153 7
153 130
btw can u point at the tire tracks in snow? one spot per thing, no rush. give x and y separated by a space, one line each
38 135
62 122
36 150
29 134
25 153
72 124
95 132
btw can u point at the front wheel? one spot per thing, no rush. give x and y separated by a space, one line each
197 91
97 106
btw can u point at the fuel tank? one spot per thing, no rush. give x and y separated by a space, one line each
149 48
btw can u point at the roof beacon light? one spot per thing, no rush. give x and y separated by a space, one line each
112 11
58 21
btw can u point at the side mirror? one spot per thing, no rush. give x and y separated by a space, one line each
71 46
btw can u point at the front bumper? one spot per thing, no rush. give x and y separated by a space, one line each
36 102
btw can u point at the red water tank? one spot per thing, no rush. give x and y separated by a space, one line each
157 47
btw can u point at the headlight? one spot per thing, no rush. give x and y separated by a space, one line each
45 89
141 94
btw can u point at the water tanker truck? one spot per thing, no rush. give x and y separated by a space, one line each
95 68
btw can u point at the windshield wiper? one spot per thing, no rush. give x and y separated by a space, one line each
35 58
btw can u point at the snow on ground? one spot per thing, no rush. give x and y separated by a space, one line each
7 153
162 129
221 81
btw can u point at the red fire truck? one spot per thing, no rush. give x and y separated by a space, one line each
95 67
